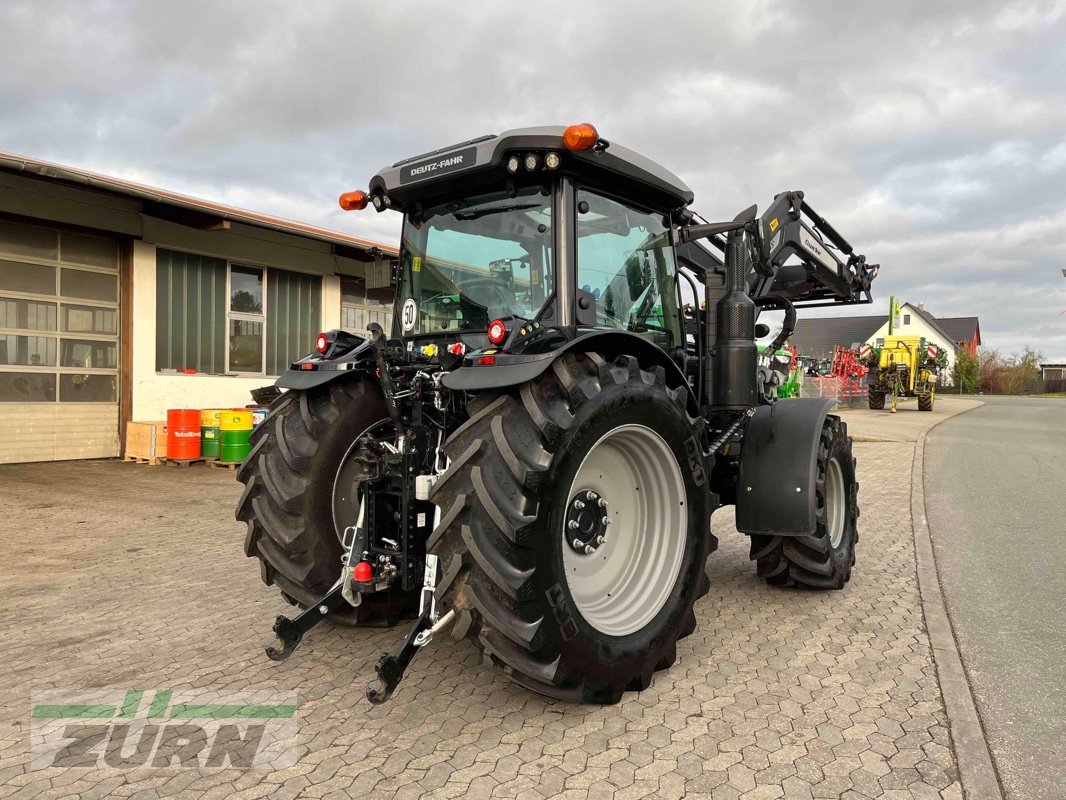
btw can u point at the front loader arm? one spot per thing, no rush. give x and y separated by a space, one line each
790 227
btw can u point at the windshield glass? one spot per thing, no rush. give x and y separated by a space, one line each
470 261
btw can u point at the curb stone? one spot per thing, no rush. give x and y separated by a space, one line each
976 770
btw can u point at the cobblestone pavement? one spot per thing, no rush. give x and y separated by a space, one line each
125 576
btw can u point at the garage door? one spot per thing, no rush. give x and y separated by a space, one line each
59 344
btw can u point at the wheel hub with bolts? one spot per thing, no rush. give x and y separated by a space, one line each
587 522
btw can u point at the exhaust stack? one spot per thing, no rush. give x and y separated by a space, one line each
735 354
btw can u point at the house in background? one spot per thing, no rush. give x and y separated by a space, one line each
964 331
818 336
119 301
1053 372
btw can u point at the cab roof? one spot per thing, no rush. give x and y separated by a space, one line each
482 161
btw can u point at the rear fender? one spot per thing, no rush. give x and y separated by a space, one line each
315 370
778 463
607 343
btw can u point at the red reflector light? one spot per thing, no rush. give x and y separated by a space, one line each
362 572
322 343
497 331
486 361
307 366
353 201
580 137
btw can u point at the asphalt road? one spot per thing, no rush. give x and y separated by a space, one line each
995 483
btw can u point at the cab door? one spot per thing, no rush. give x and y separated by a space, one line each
626 263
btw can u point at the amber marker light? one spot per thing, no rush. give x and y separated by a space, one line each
580 137
353 201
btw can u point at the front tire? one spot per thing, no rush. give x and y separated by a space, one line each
577 624
925 402
824 559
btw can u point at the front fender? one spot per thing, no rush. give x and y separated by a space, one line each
778 463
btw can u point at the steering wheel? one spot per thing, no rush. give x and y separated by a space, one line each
500 296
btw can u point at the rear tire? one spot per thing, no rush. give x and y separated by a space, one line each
824 559
518 467
877 399
925 402
289 496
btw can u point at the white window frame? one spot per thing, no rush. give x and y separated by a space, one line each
59 334
240 315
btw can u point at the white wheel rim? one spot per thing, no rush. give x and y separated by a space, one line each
834 503
626 581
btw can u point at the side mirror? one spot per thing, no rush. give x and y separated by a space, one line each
761 330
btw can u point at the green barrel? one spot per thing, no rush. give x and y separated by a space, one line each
209 442
210 420
234 446
235 428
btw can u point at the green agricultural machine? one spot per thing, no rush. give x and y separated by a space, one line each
531 456
906 366
780 372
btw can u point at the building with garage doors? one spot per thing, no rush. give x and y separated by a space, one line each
119 301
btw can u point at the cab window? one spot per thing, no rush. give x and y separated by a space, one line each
625 261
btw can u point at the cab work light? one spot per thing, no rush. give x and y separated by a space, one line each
580 137
353 201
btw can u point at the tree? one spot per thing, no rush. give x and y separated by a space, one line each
1027 364
990 362
966 373
999 374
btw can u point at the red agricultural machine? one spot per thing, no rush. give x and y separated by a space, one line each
844 379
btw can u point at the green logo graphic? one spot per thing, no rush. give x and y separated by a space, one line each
163 728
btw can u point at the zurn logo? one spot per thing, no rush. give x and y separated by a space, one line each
164 729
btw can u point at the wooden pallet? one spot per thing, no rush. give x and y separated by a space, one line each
227 465
183 462
152 462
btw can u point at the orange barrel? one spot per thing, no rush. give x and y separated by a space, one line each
235 426
210 419
183 433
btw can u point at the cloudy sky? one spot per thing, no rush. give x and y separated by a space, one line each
932 134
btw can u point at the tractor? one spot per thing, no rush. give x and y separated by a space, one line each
906 366
530 457
780 372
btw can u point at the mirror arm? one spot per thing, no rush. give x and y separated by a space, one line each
693 232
